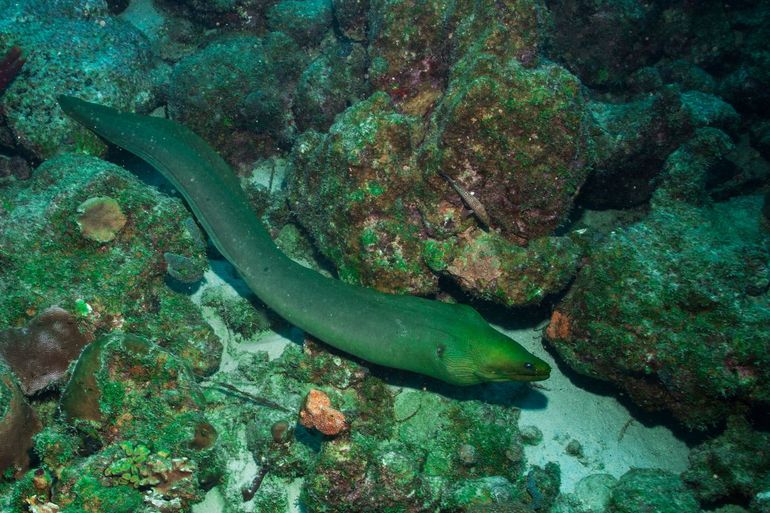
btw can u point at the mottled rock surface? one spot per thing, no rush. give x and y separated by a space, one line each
117 284
735 464
117 56
674 309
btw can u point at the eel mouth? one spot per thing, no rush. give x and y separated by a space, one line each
497 378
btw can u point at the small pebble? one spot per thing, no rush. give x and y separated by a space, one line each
317 413
281 432
514 453
531 435
574 448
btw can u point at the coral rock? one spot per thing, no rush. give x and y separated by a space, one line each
40 353
17 425
125 387
317 413
100 219
642 315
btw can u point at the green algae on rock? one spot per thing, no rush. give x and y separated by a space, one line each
403 452
305 21
378 219
733 465
417 464
413 44
651 490
331 82
239 315
673 309
382 213
126 387
515 138
46 260
145 408
488 266
57 446
115 53
358 211
236 91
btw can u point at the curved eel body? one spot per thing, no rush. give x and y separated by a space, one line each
450 342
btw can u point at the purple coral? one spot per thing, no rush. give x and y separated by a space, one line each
10 66
40 353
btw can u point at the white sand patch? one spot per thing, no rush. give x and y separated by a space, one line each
293 491
612 440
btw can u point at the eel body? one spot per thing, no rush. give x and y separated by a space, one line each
450 342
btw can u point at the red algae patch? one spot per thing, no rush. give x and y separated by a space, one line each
559 327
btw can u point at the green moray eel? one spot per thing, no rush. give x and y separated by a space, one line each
450 342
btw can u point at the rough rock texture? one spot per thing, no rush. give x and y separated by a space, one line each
514 138
632 142
116 55
436 453
602 41
734 465
591 495
657 72
378 209
393 195
486 265
651 490
127 388
41 352
331 83
350 16
235 92
634 139
145 409
306 21
119 284
18 423
674 309
356 191
412 45
235 14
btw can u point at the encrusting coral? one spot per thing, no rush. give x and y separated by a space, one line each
17 425
100 218
40 353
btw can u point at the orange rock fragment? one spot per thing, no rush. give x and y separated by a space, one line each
559 327
317 413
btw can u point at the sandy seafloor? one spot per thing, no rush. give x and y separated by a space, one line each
612 440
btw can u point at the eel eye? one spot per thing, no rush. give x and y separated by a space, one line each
528 366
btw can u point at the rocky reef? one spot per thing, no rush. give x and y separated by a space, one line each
49 258
600 164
